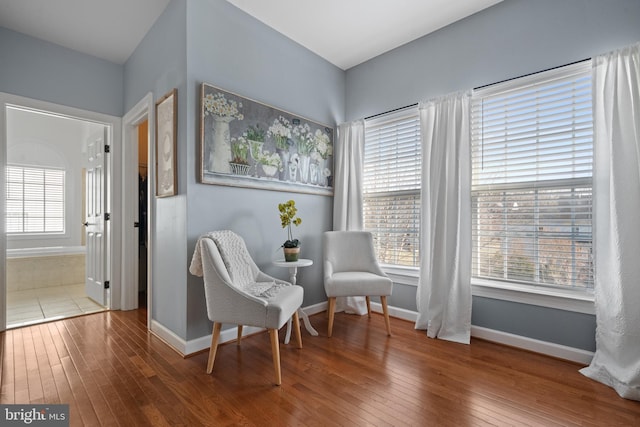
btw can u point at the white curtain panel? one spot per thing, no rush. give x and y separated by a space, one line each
347 194
616 210
444 289
348 177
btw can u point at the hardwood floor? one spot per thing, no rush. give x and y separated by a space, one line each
112 372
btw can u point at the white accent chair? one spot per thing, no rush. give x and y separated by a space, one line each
351 269
229 301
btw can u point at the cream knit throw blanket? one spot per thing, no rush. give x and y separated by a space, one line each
238 262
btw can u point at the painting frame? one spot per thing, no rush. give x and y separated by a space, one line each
246 143
166 144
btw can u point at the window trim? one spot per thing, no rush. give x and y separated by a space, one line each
402 274
580 300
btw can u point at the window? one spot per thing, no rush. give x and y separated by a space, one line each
35 200
532 155
392 186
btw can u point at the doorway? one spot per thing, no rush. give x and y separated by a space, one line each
46 249
143 198
137 221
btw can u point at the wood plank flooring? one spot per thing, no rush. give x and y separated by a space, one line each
112 372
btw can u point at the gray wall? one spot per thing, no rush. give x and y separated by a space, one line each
230 49
541 323
510 39
158 65
211 41
507 40
41 70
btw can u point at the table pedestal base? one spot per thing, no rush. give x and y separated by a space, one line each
307 326
293 271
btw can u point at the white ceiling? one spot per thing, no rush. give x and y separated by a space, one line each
344 32
108 29
349 32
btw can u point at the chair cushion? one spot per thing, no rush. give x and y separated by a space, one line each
357 283
281 307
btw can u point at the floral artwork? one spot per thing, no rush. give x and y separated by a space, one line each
166 123
217 105
248 144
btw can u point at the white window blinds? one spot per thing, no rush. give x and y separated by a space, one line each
532 155
35 200
392 186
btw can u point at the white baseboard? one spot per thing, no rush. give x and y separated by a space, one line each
203 343
537 346
168 336
186 348
550 349
316 308
399 313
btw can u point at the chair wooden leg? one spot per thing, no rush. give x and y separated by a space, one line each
239 335
368 306
275 349
385 310
296 328
215 336
332 312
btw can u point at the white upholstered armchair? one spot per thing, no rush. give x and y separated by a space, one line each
351 269
237 292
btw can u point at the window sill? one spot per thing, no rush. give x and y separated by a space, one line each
402 275
576 301
37 236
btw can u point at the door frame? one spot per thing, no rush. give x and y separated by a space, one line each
143 110
114 186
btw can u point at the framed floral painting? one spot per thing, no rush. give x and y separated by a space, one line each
166 132
245 143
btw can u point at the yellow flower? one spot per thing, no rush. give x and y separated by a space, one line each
288 213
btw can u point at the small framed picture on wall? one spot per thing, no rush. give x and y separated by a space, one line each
166 134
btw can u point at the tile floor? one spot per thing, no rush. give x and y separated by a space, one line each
45 304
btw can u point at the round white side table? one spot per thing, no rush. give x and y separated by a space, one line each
293 272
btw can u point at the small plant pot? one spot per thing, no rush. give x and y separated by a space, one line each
291 254
239 168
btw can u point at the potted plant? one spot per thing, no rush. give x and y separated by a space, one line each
222 111
304 140
270 162
254 133
239 156
288 216
280 131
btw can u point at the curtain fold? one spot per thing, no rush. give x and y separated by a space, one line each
444 289
347 194
616 234
348 174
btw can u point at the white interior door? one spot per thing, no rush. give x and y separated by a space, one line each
142 111
96 284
